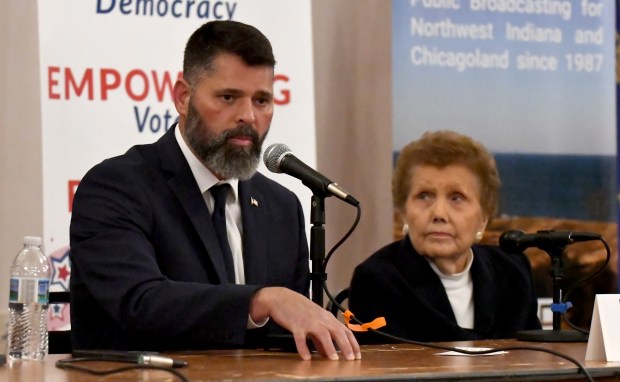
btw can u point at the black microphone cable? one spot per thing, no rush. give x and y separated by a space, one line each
71 364
333 301
338 244
578 283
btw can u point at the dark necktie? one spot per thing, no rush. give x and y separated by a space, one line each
219 193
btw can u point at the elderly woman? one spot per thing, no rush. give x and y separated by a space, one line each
436 284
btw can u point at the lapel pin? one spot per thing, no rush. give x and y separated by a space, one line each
253 202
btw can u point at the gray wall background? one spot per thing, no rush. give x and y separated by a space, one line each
352 47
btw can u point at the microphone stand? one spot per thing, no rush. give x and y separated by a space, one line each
558 307
317 247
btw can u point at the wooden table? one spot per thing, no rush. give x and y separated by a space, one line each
379 363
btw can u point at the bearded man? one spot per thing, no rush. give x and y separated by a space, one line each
181 244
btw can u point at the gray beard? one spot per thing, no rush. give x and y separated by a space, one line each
216 154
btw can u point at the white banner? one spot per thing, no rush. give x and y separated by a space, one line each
107 71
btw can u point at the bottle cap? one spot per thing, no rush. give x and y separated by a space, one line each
32 240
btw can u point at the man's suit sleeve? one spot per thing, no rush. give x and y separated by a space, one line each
116 269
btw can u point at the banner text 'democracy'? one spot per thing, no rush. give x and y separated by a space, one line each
205 9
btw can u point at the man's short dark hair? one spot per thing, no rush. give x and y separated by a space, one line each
217 37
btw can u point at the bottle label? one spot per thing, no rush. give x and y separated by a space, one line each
26 290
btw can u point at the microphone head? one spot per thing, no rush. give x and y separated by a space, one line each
273 156
548 240
509 241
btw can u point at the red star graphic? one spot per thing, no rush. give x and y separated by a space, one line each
63 273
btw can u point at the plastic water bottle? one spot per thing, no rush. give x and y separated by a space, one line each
28 302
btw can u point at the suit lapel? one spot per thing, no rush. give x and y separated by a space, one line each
184 187
254 209
424 283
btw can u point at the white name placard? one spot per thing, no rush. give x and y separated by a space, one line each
604 340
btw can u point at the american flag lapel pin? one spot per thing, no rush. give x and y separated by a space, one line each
253 202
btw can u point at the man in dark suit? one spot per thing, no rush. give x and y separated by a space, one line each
151 270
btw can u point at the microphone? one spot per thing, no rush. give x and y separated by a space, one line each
515 241
279 159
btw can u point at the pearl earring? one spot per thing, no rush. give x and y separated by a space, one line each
405 229
479 236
